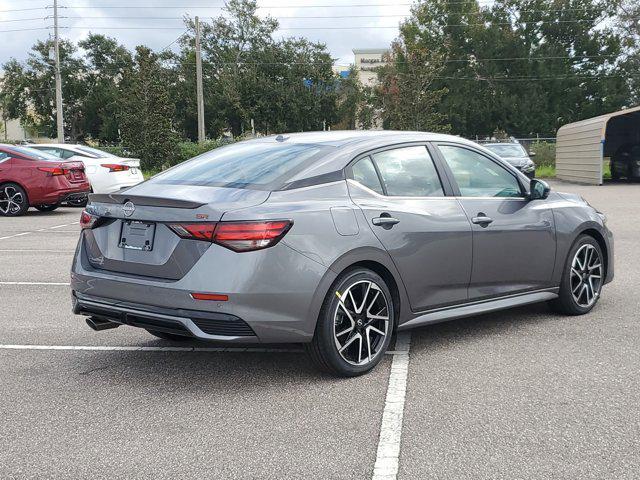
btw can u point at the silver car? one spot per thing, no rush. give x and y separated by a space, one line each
516 155
335 240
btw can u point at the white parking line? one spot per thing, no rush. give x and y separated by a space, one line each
35 250
148 349
388 455
41 230
36 283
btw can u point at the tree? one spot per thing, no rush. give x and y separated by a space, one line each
146 112
106 64
406 95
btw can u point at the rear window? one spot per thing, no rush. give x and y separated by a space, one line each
507 150
95 152
264 166
33 153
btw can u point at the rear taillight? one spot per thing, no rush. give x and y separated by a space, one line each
87 220
53 171
237 236
194 231
115 167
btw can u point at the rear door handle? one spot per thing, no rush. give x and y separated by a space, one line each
482 220
385 221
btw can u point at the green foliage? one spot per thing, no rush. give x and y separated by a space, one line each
545 153
545 171
187 150
146 112
491 69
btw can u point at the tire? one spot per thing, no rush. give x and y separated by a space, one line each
13 200
47 208
168 336
345 322
574 283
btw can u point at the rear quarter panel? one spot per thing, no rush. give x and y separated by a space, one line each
328 229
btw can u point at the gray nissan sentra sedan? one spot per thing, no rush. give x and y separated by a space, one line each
334 240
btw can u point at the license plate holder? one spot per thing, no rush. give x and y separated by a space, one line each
137 235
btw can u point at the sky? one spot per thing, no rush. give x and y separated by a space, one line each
377 22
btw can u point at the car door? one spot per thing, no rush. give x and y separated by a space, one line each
425 231
514 242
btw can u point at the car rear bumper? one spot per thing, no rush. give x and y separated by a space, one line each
274 294
64 196
189 323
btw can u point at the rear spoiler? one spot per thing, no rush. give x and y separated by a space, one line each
122 198
132 162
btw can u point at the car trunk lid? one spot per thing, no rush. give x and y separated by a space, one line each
134 236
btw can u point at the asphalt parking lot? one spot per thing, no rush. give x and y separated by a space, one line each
522 394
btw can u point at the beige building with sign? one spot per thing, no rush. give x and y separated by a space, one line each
366 62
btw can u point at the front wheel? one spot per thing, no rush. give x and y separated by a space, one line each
13 200
355 324
582 278
47 208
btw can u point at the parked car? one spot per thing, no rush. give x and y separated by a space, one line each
626 162
334 240
30 178
516 155
107 172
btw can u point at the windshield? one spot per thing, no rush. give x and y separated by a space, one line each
33 153
244 165
507 150
95 151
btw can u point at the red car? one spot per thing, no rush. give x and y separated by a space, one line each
30 178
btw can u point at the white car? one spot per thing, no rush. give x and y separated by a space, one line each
107 173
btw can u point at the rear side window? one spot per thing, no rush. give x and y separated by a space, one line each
408 172
3 156
479 176
365 173
244 165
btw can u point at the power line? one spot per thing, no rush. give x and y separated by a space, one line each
23 9
24 29
23 19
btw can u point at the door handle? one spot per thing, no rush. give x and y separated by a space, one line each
482 220
384 221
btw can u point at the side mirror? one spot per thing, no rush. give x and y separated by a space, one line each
532 154
538 189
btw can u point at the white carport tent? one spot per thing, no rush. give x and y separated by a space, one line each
582 146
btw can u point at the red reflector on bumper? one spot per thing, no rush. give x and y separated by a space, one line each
210 296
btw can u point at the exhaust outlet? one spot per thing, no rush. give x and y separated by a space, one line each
98 324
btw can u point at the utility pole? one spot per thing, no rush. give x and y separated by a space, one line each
200 93
59 119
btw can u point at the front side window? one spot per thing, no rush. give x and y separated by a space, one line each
365 173
408 172
479 176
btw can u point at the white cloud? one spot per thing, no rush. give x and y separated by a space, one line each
339 41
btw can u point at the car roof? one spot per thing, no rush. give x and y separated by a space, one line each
339 138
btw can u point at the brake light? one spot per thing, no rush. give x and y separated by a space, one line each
87 220
236 236
53 171
194 231
115 167
247 236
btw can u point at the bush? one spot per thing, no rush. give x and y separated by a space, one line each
545 153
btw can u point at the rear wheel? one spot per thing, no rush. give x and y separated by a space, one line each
168 336
47 208
582 278
13 200
355 324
